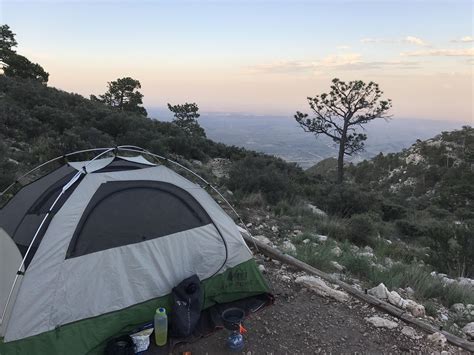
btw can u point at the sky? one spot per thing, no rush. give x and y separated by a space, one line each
258 57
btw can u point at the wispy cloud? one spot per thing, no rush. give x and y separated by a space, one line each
465 52
343 47
408 39
465 39
415 40
348 61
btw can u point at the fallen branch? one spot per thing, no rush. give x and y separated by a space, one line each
384 306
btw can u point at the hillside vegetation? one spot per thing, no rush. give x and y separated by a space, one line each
397 218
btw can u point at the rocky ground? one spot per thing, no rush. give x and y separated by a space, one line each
303 322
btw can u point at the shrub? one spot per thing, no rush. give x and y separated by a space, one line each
270 176
333 227
391 211
362 230
317 255
358 265
346 199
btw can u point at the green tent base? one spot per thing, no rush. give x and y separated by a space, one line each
89 336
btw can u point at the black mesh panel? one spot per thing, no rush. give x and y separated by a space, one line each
127 212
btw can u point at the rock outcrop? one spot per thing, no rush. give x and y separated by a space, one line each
321 288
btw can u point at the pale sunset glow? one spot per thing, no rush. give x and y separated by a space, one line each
260 57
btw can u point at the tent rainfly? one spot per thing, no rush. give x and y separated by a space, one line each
94 247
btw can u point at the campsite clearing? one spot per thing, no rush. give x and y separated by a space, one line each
303 322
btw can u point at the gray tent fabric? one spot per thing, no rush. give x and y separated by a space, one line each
13 212
100 164
57 290
10 261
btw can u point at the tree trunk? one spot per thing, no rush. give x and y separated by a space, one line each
340 161
340 158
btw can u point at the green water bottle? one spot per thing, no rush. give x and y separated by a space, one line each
161 327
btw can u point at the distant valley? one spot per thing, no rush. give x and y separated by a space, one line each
281 136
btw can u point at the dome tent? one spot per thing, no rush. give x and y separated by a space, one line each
93 248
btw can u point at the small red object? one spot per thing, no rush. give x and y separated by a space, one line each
242 330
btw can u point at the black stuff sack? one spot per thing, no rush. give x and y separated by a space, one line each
120 346
186 308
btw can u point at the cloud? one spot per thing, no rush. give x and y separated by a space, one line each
347 61
408 39
343 47
467 52
415 40
465 39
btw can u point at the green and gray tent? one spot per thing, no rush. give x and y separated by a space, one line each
94 247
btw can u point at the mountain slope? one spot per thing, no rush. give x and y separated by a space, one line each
438 171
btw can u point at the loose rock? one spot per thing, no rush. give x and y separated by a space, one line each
289 246
410 332
380 322
336 251
469 331
437 339
321 238
379 291
337 266
263 239
416 309
321 288
458 308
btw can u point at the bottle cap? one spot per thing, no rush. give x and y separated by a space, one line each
161 310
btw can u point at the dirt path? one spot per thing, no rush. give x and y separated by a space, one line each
302 322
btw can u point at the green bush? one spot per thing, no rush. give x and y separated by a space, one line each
362 229
317 255
272 177
333 227
347 199
392 211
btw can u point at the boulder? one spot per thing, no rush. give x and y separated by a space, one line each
354 248
437 339
263 239
337 266
289 247
380 291
366 254
274 229
297 232
464 281
321 288
468 329
380 322
388 262
321 238
368 249
416 309
410 292
458 308
410 333
336 251
397 300
443 317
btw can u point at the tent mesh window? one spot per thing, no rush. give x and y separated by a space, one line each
127 212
